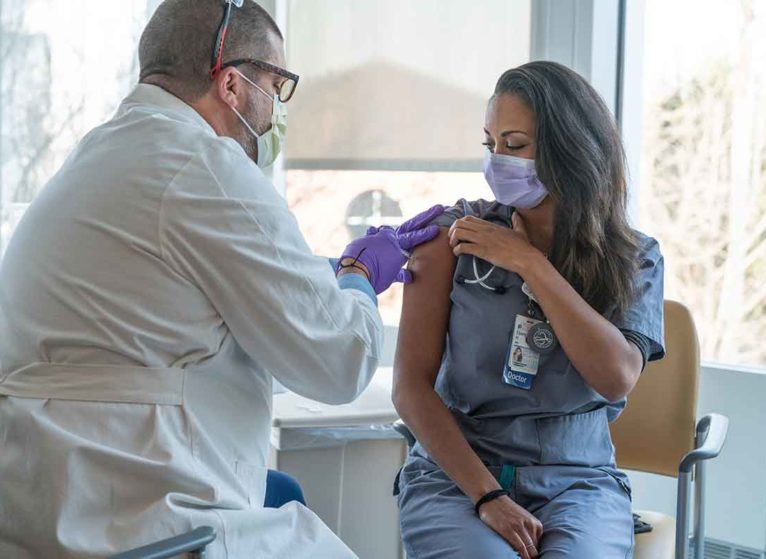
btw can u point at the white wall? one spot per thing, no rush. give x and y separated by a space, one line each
736 486
581 34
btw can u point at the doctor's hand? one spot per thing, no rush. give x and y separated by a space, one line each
385 250
505 248
515 524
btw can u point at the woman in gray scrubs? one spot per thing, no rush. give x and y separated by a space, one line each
531 321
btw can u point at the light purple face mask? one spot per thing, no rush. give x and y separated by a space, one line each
513 180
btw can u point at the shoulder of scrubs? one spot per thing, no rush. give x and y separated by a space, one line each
645 316
225 228
482 209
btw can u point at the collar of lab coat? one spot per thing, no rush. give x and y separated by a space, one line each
146 94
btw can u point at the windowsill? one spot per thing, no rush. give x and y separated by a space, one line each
725 368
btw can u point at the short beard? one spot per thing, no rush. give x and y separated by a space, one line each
249 142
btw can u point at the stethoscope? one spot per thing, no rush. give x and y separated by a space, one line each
480 280
477 279
541 336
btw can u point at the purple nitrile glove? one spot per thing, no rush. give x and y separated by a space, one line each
384 250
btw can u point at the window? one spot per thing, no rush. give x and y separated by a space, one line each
703 168
64 68
388 117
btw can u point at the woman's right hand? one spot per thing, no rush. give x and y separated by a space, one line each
514 523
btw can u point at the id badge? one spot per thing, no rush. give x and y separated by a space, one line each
521 361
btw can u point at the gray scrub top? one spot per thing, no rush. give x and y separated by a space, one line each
506 424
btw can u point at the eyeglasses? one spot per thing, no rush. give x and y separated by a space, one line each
286 89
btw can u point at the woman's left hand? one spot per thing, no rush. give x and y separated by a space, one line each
506 248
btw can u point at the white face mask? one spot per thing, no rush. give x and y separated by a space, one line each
270 143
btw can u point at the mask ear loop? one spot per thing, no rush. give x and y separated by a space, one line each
239 115
255 85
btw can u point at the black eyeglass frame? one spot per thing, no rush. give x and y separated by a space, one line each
265 66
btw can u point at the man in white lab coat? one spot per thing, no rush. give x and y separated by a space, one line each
150 294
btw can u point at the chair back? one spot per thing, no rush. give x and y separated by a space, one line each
656 429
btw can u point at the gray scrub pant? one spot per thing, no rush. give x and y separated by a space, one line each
585 512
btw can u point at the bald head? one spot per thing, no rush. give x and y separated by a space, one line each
177 45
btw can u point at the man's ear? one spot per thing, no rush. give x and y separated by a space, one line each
228 87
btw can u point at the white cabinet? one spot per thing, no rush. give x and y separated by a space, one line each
345 458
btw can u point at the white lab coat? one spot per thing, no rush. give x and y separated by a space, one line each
149 295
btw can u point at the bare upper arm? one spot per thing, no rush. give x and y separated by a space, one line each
425 313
